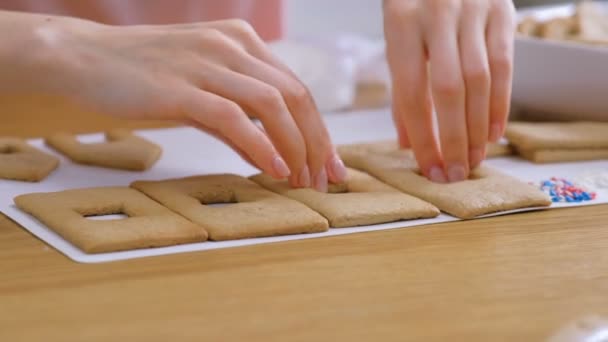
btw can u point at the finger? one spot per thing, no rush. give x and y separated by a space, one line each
402 137
476 74
412 110
449 94
298 98
500 40
319 149
228 120
267 103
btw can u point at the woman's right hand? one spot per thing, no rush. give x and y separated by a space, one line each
206 74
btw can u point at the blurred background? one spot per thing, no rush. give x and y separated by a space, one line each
355 16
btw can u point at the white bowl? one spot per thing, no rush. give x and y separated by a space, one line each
556 80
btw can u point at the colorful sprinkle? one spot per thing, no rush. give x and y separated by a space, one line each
562 190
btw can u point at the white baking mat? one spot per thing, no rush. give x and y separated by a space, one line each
188 152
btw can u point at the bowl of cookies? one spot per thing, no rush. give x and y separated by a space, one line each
561 62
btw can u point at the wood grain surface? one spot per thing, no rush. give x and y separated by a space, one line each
513 278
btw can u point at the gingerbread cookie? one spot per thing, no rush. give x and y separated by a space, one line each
123 150
22 162
498 150
557 28
149 224
253 211
361 200
557 155
591 21
391 148
558 135
486 191
559 141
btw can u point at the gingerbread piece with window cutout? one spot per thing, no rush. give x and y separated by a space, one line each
250 210
121 150
23 162
147 223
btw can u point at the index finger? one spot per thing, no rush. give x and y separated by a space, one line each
412 110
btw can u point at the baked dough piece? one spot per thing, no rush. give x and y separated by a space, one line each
253 212
149 224
529 26
123 150
391 148
591 22
486 191
559 141
557 135
557 155
557 28
588 24
498 150
22 162
361 200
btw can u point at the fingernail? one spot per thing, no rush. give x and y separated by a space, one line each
280 167
337 168
495 132
321 181
436 175
304 177
456 173
476 156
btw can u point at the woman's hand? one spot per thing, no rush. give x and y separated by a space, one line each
207 74
455 56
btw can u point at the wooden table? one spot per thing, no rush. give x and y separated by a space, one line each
518 277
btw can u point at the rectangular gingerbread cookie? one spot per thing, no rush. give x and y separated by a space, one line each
148 224
361 200
391 148
563 155
559 141
557 135
251 210
487 191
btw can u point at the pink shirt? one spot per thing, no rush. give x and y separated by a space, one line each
263 15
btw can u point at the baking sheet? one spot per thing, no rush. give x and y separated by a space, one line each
188 152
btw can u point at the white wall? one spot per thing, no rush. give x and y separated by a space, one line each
321 17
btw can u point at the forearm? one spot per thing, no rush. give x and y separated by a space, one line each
33 58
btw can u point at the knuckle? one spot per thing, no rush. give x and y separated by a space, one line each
213 37
211 34
477 76
449 87
297 95
271 98
229 114
241 27
444 6
399 11
501 62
